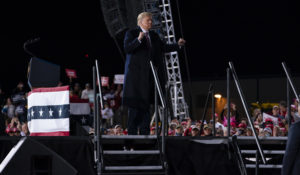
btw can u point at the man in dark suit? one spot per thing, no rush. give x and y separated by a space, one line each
142 45
291 159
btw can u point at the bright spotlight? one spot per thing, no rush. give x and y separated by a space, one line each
218 96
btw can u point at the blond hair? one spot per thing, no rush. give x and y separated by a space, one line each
143 15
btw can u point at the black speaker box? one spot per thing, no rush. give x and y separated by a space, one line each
42 73
114 13
29 157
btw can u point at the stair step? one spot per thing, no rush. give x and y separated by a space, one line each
129 137
141 152
134 173
264 166
124 168
265 151
262 138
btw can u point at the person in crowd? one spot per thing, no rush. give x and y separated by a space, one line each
268 123
256 113
233 128
117 100
152 130
276 112
184 125
267 132
172 127
14 127
259 119
225 133
175 121
76 93
13 131
276 131
118 130
218 124
142 45
241 129
19 100
24 129
107 115
88 93
249 131
295 102
282 132
178 130
18 94
294 113
195 131
9 109
282 108
125 131
188 129
244 120
234 115
207 130
220 131
108 94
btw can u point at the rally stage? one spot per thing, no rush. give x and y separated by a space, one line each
184 155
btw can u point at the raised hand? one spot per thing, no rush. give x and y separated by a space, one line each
141 36
181 42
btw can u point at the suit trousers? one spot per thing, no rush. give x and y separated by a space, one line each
138 119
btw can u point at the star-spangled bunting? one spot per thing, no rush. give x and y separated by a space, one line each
41 112
49 111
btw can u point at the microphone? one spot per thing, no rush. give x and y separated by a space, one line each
29 42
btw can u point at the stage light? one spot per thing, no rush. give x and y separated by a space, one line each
218 96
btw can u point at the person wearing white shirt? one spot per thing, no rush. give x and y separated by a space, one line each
87 93
107 115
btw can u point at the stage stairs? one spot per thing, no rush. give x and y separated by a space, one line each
246 152
119 159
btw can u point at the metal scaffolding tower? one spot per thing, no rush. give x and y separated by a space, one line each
163 24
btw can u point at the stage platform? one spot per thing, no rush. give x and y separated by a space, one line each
184 155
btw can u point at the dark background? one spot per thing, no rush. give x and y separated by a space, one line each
256 35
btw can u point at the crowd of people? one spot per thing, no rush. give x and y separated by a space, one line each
13 118
269 123
13 106
266 123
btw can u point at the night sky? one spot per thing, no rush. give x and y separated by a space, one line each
256 35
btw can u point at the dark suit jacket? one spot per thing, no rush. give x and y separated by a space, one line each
291 159
137 82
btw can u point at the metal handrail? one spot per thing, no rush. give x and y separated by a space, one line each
241 94
206 106
163 103
242 167
290 80
290 83
99 84
228 102
96 126
98 117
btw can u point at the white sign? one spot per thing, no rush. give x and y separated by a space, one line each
274 119
119 79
